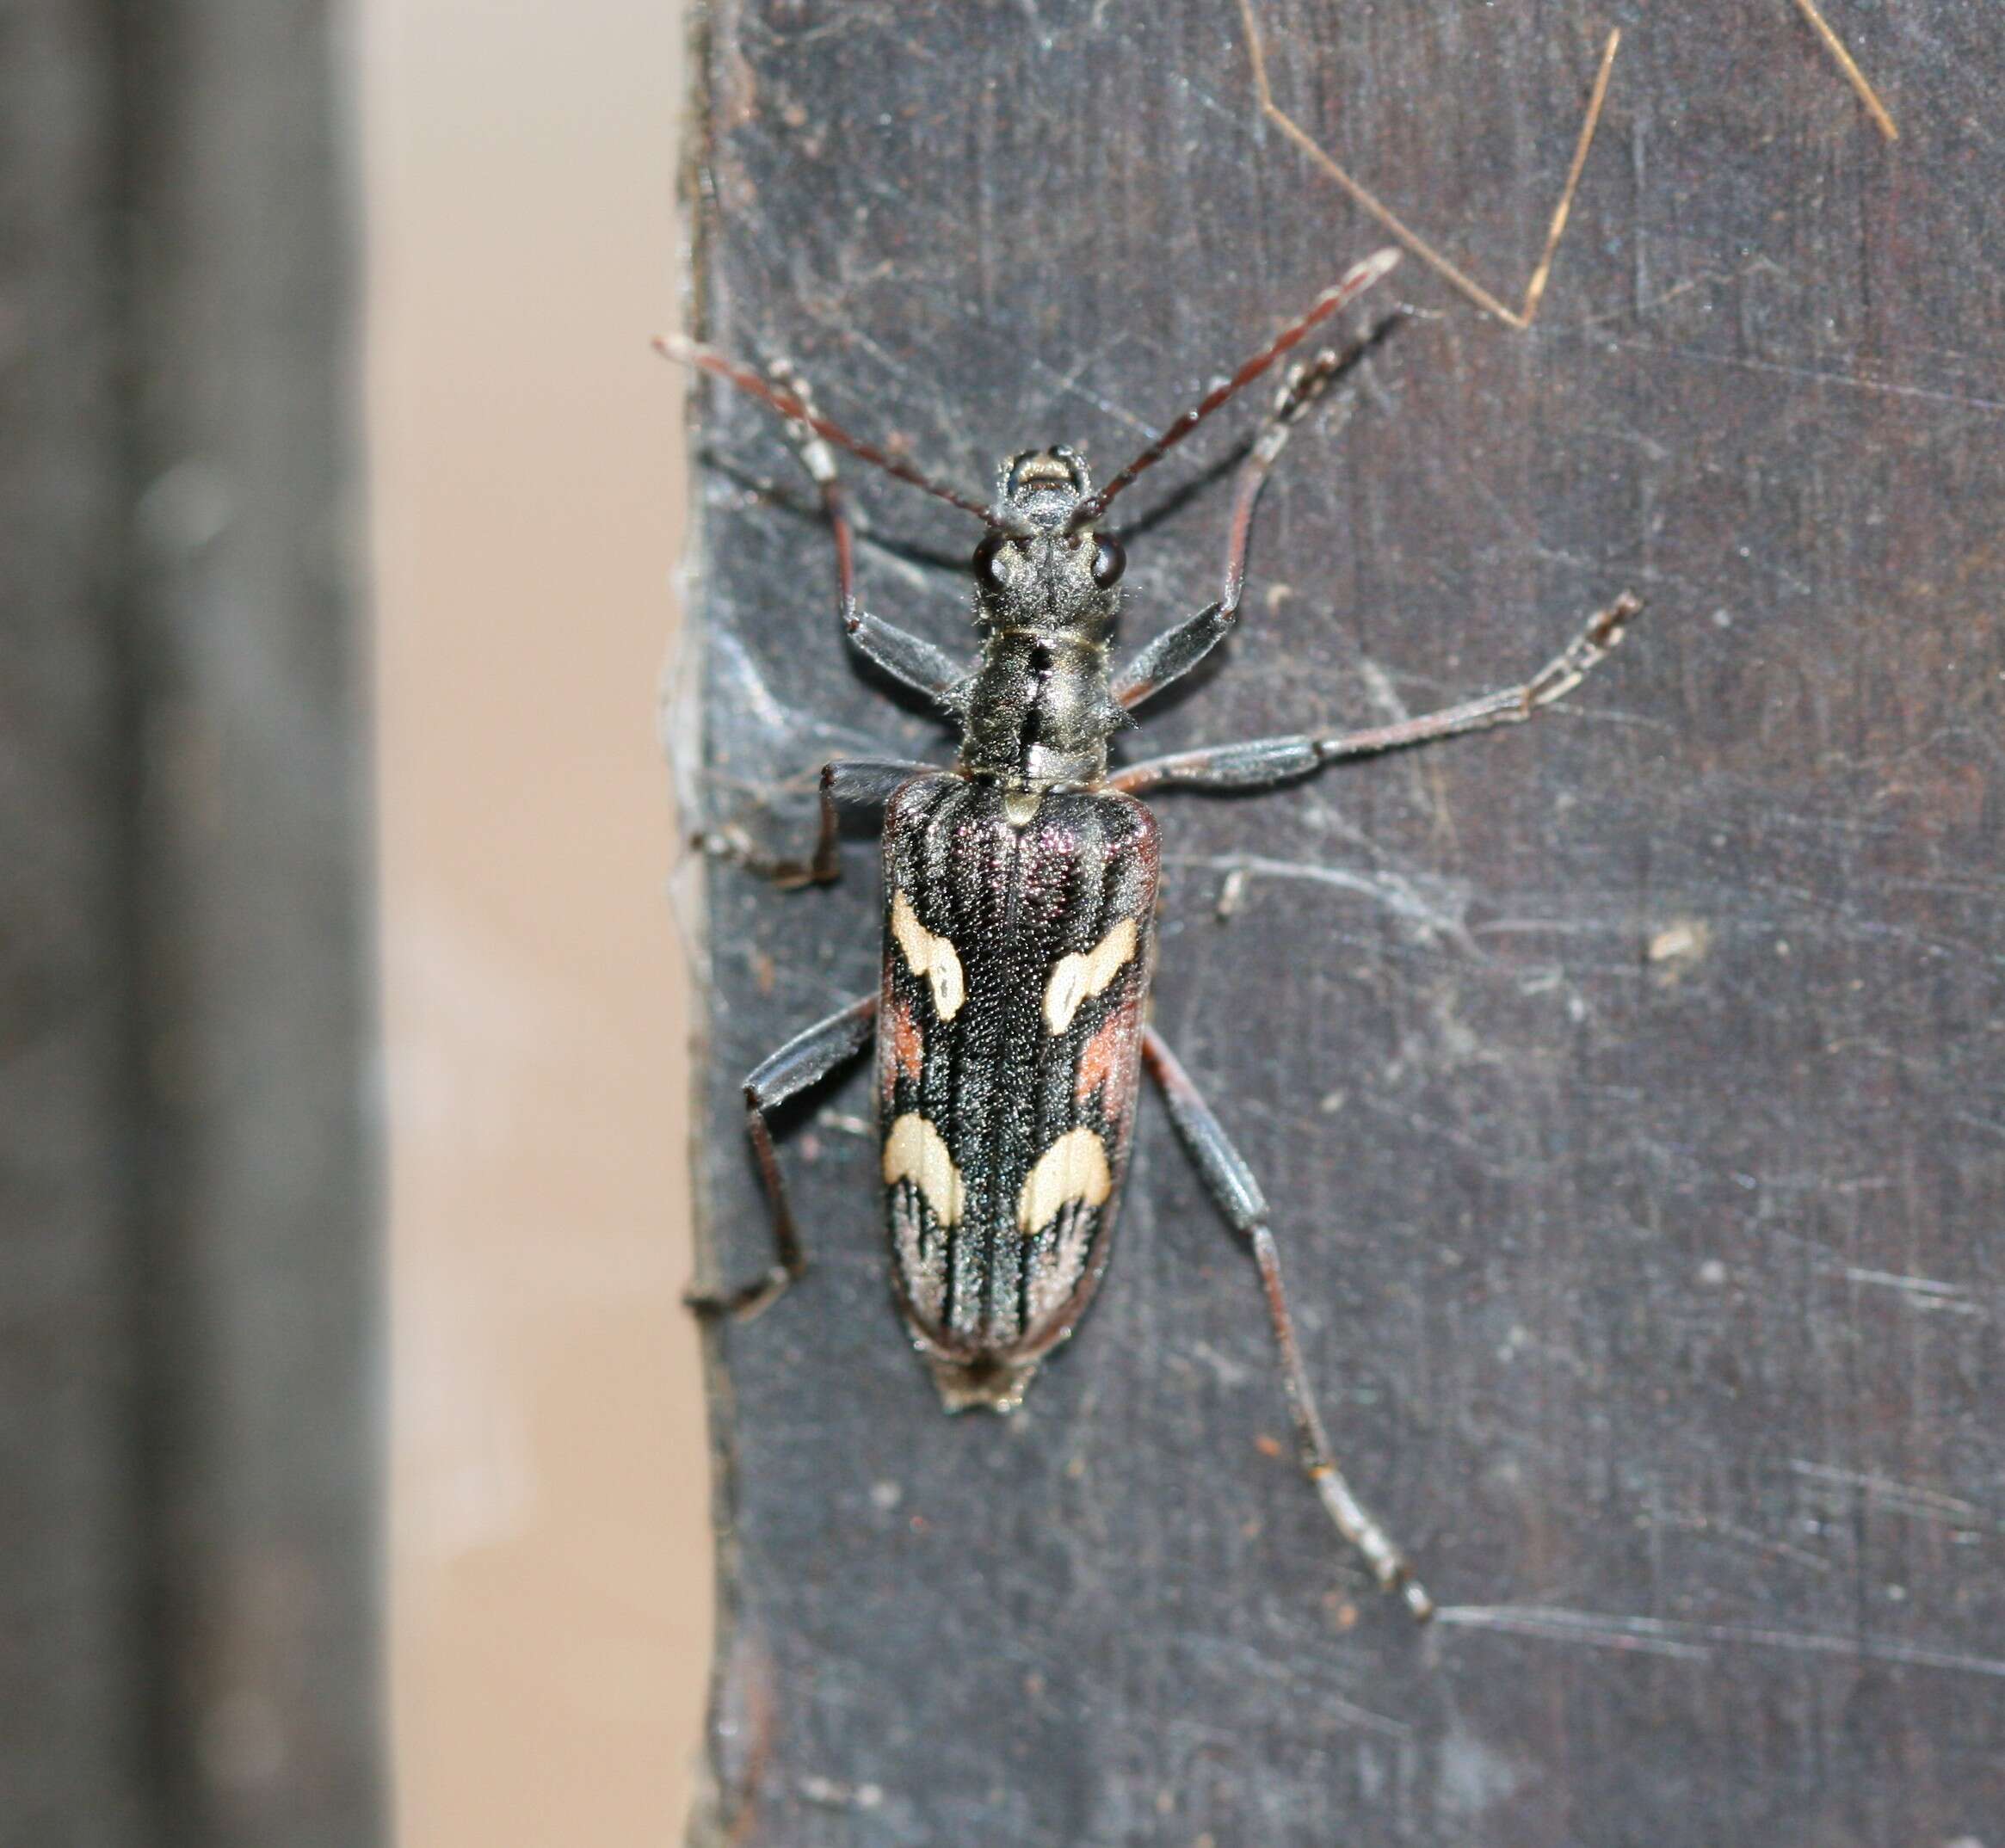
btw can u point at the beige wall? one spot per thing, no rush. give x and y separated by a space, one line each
548 1548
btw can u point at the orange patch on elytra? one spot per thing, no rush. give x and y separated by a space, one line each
1103 1055
908 1043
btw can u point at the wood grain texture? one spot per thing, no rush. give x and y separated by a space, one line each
1626 1085
187 1271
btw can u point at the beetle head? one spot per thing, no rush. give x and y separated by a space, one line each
1053 572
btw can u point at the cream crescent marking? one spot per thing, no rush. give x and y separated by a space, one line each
914 1151
1085 973
930 956
1073 1168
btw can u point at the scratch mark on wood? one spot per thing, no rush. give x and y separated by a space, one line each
1728 1531
1922 1293
1849 65
1924 1504
1647 304
1645 1635
1521 317
1961 400
1305 1693
1398 895
1364 1719
1696 1641
832 1793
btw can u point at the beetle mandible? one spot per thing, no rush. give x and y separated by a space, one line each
1019 890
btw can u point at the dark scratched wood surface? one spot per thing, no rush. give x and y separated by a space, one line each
1630 1088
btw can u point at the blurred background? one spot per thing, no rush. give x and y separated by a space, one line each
549 1561
352 1479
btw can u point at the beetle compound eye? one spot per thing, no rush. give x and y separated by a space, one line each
1109 561
988 561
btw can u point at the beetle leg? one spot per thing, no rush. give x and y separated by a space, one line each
803 1062
850 786
1263 762
1236 1193
1175 652
916 664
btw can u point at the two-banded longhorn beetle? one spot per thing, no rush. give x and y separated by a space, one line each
1020 906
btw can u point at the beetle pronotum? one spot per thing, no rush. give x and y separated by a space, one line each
1019 887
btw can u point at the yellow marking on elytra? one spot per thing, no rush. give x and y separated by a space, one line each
1520 318
1073 1168
914 1151
930 956
1849 65
1087 972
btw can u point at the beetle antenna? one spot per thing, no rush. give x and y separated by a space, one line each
1331 301
689 352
